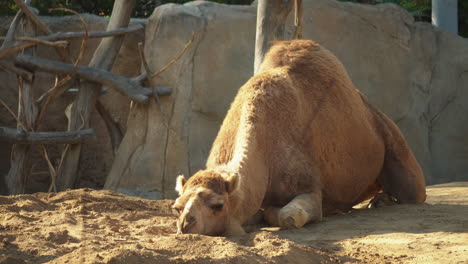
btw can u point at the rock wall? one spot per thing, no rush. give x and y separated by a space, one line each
416 74
97 154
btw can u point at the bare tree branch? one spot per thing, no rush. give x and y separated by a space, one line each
59 43
143 59
19 136
94 34
16 48
140 78
103 58
113 128
68 76
54 93
33 17
124 85
63 53
7 50
12 114
52 171
14 24
27 113
8 66
187 45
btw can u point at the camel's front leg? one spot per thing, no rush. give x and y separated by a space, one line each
303 209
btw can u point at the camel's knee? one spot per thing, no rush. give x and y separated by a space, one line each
293 217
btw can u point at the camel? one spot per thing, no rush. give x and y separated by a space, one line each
298 142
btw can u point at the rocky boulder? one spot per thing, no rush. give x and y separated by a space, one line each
415 73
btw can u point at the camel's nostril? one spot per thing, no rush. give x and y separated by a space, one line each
187 223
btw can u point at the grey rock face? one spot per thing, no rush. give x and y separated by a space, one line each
415 73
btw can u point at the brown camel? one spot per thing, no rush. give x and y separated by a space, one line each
299 141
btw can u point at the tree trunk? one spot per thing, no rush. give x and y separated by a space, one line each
271 19
27 114
444 15
103 58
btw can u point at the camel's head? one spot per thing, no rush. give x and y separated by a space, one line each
203 204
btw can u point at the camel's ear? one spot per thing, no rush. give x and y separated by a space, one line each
180 182
232 182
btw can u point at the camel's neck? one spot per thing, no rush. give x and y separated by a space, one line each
248 161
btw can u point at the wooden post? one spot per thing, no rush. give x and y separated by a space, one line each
271 19
103 58
27 114
445 15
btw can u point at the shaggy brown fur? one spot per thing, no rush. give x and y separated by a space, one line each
209 180
301 127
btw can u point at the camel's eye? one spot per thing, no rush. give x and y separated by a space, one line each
217 207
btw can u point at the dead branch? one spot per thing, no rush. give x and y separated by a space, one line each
68 76
14 24
12 114
149 73
58 43
94 34
8 66
52 171
16 48
53 183
140 78
52 93
5 51
27 113
32 16
187 45
124 85
20 136
103 58
63 53
143 59
113 128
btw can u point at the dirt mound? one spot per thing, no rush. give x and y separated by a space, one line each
88 226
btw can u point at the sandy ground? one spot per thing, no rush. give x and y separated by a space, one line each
87 226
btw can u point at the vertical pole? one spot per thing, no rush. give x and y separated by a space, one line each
27 114
444 15
103 58
271 19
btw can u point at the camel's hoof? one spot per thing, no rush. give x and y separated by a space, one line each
294 218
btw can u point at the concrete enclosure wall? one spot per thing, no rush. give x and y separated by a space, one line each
416 74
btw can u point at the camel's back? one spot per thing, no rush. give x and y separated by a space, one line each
325 123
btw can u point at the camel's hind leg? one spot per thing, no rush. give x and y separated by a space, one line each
302 209
401 176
